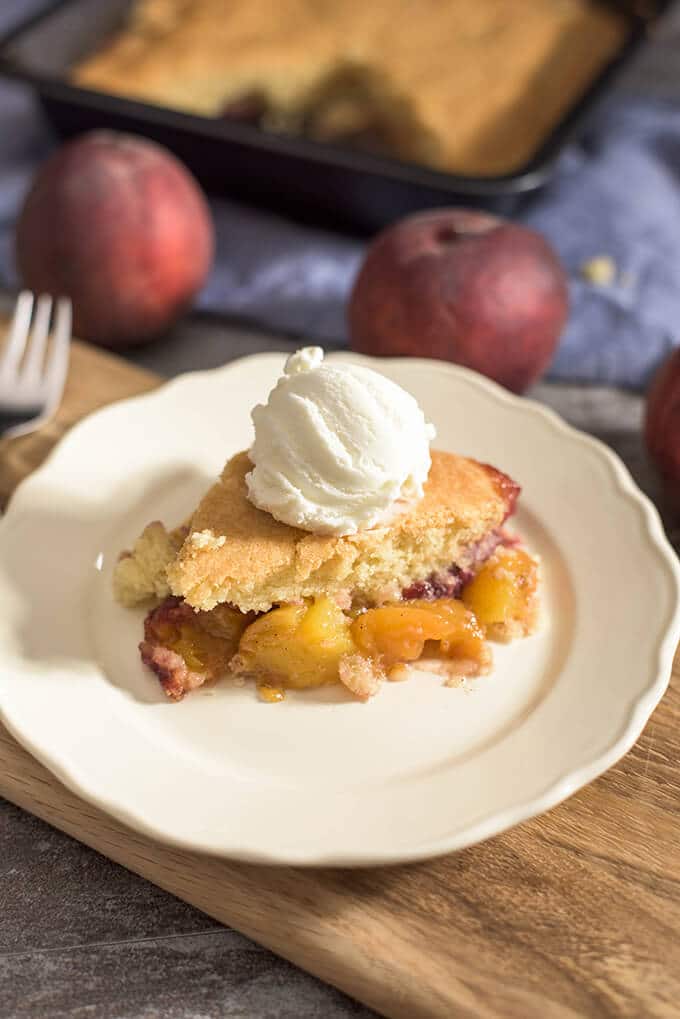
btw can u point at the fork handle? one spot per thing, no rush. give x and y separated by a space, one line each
8 419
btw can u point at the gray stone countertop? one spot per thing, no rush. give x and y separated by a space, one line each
81 936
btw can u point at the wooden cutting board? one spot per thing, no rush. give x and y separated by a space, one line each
576 913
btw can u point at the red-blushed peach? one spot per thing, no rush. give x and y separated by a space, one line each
662 424
119 225
462 286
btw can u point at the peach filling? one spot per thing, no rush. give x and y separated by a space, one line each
316 643
297 645
187 649
400 633
312 645
502 595
201 651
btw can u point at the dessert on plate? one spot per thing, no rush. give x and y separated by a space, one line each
466 87
338 548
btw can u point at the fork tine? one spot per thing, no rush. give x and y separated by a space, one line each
37 341
56 368
18 334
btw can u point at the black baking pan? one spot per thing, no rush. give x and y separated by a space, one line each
322 182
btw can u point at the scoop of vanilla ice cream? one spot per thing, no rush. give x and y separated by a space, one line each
336 446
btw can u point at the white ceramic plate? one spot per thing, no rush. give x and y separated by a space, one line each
321 779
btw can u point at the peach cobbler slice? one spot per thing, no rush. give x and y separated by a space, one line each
252 597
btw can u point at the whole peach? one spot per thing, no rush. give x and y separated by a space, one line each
117 224
463 286
662 423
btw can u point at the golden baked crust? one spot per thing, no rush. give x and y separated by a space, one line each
140 573
236 553
470 87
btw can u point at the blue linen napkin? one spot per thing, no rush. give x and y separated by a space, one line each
616 192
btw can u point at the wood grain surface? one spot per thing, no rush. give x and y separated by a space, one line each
573 914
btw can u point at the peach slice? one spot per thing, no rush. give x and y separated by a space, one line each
297 645
400 632
503 594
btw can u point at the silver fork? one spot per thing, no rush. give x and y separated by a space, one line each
32 377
